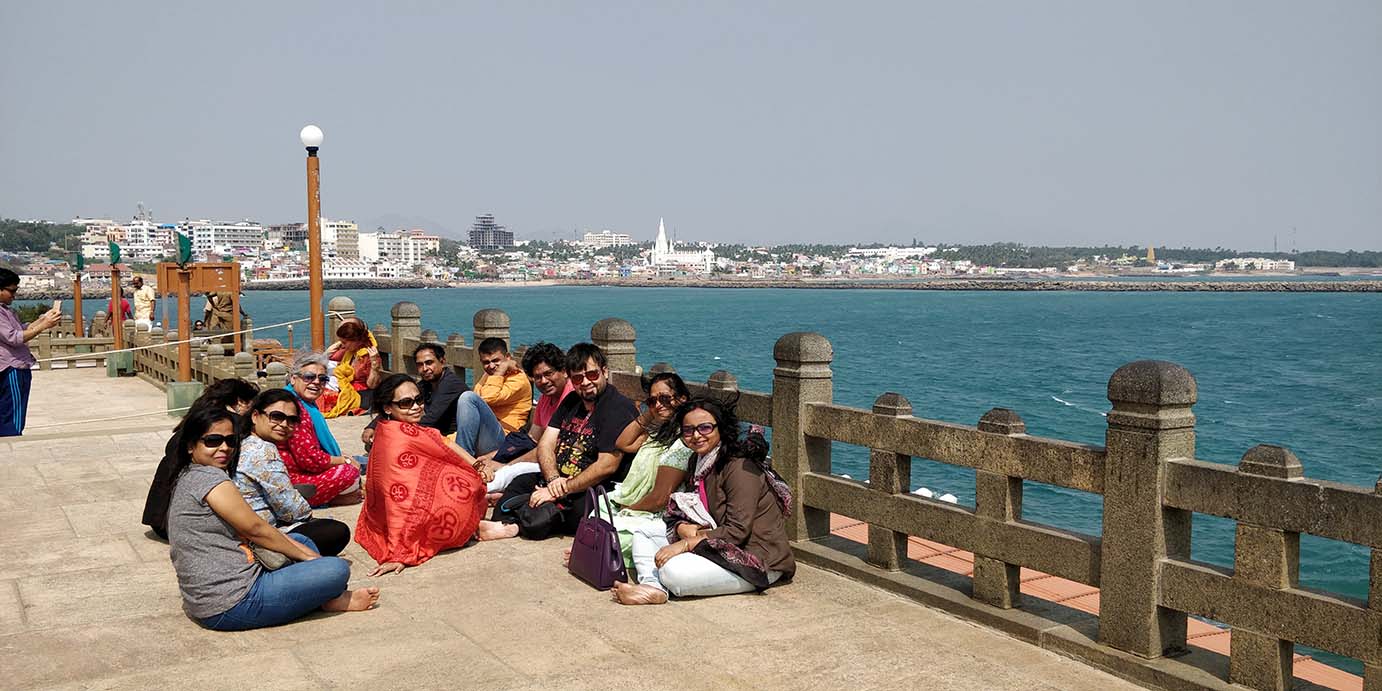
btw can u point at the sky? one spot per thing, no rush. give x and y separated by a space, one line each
1173 122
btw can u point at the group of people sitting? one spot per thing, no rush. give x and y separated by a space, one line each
697 508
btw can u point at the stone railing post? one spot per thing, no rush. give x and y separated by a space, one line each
1269 558
157 337
1151 422
407 325
455 350
276 375
44 341
802 376
128 327
244 367
141 333
100 324
999 498
721 381
430 336
215 361
1372 672
616 337
247 325
487 323
890 473
338 309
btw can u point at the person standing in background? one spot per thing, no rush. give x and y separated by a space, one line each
15 357
144 299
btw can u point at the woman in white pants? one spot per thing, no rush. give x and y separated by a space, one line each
730 529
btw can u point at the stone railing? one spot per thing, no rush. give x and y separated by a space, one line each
1147 474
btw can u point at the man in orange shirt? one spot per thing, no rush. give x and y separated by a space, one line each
499 403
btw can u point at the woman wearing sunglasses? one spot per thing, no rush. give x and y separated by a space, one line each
731 525
311 453
263 479
657 469
424 494
209 527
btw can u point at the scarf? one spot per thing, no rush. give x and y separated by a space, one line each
642 473
420 497
349 398
324 438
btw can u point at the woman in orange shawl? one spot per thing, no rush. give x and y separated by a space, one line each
423 493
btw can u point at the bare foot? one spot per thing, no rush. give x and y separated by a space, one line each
494 530
637 594
357 600
566 557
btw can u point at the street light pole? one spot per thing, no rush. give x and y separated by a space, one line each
311 137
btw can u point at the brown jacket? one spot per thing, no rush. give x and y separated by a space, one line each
747 513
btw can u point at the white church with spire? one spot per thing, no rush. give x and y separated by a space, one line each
665 257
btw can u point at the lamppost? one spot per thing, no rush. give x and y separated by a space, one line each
311 137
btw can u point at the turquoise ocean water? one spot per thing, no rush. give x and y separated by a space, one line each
1300 370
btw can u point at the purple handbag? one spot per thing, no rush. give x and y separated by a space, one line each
595 554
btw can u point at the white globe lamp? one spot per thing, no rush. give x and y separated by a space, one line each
311 136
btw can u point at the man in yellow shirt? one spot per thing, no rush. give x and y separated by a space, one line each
499 403
144 300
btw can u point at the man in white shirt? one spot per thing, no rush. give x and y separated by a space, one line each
144 298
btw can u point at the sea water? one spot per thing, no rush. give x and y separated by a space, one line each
1303 370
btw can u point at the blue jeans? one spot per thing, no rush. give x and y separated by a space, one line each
278 597
477 429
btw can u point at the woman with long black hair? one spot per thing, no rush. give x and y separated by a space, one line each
731 525
210 531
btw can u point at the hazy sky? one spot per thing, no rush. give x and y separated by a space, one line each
1203 123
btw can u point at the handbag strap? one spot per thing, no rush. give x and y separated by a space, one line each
595 494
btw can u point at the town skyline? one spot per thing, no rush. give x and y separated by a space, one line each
1070 123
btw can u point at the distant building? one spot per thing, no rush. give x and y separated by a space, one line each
1151 254
666 257
1255 264
286 235
485 234
245 237
340 239
606 238
403 247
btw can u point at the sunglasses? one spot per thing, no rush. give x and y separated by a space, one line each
704 429
663 400
592 375
214 441
279 418
406 403
320 378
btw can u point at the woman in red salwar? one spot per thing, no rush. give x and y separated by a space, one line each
311 454
424 494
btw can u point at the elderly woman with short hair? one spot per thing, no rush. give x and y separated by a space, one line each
311 454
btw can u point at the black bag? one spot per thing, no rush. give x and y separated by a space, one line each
533 523
515 444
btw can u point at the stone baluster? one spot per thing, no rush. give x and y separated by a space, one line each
100 324
1151 422
721 381
141 333
1372 669
407 326
487 323
338 309
275 375
247 325
215 362
245 368
1269 558
44 341
455 354
890 473
802 377
157 337
998 498
617 338
429 336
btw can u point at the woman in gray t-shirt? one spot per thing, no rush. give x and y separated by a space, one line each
210 527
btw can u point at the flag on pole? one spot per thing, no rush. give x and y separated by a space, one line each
80 262
184 250
114 253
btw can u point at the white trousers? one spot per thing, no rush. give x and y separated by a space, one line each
505 475
685 575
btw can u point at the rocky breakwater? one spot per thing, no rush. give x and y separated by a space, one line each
1012 285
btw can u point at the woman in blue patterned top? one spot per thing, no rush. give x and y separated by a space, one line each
263 479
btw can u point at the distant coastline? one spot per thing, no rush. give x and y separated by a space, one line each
1248 284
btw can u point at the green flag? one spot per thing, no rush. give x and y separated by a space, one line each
184 250
114 253
80 263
